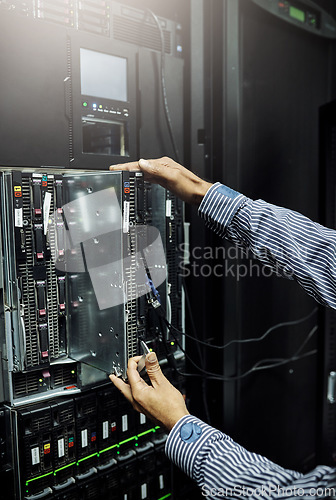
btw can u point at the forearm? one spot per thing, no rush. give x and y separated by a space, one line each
222 467
293 245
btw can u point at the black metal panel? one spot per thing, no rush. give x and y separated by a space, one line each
327 401
100 148
275 77
34 124
153 129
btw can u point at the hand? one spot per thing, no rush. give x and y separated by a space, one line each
171 175
161 401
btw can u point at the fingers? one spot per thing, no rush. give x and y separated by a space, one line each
122 387
134 379
154 371
133 165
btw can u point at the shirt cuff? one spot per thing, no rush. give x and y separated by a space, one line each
219 206
185 440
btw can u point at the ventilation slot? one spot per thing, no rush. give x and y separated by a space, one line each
63 376
28 283
140 33
130 272
25 383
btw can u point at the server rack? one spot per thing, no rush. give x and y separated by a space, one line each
66 425
327 348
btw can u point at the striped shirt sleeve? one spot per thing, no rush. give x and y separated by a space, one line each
291 244
224 469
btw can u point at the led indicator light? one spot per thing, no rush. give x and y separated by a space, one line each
85 104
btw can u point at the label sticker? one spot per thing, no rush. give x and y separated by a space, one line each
168 208
18 217
46 210
143 491
126 216
84 438
161 482
105 430
35 454
60 445
124 423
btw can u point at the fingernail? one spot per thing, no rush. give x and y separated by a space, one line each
151 357
112 376
111 167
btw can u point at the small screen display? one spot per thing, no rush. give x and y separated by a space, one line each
103 75
297 14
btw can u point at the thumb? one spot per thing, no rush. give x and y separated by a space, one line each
153 370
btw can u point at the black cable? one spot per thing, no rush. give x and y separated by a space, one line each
245 341
256 367
163 86
238 377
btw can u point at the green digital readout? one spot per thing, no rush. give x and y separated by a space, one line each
297 14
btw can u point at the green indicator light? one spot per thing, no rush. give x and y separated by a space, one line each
85 104
151 350
100 106
136 444
118 452
65 467
39 477
172 343
297 14
127 440
86 458
73 372
146 432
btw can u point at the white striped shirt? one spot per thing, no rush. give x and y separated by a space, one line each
298 249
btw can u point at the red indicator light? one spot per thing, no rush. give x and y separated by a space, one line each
42 312
62 307
44 354
39 255
38 211
71 387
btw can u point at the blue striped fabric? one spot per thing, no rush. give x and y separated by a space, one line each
294 247
290 243
224 469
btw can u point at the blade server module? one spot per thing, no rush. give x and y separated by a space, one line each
84 255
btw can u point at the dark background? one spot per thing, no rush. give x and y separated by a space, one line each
245 107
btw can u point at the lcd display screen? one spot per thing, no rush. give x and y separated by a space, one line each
297 14
103 75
